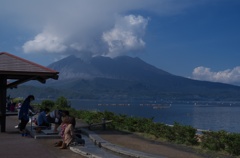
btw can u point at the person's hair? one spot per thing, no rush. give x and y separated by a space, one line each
31 97
66 112
66 120
46 109
72 121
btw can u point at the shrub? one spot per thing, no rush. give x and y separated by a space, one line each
18 100
214 140
47 104
62 102
232 143
185 134
158 130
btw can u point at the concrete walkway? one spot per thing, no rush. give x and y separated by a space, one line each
13 145
101 143
94 146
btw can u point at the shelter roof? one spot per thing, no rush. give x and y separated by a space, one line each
22 70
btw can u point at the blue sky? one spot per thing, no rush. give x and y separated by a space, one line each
198 39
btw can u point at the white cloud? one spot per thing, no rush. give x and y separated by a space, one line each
103 27
230 76
126 35
46 41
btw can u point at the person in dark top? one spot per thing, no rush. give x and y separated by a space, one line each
24 114
42 118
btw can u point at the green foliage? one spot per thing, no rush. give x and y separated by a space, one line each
89 117
18 100
119 122
184 134
232 143
214 140
221 141
47 104
144 125
62 103
159 130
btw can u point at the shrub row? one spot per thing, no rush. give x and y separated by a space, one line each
221 141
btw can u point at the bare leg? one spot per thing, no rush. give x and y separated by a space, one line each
56 127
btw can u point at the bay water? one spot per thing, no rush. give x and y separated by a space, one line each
213 116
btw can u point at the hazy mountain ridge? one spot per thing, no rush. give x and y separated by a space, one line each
126 77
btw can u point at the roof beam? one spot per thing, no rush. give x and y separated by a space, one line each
20 81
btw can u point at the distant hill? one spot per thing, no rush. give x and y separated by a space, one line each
123 78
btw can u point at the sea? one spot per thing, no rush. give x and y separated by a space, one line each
205 115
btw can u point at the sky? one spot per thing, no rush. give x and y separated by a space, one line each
198 39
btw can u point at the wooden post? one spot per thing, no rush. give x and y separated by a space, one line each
103 123
3 94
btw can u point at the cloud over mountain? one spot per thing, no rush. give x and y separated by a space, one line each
230 76
106 27
126 35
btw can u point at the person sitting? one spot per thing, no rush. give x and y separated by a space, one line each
68 132
67 119
42 118
55 117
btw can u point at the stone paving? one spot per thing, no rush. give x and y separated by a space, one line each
94 146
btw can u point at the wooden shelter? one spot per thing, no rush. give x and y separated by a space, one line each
14 71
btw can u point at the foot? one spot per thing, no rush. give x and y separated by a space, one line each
58 144
64 146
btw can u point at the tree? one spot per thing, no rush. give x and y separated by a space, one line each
62 102
47 104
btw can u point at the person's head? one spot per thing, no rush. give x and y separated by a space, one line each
31 97
66 120
47 110
72 121
65 113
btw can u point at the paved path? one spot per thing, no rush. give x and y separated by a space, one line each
13 145
94 146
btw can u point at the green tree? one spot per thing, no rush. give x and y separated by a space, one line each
18 100
47 104
62 102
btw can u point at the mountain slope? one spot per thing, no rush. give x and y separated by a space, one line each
123 67
127 77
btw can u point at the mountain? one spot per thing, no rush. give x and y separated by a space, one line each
124 67
126 77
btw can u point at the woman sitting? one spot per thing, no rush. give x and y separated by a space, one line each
67 132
